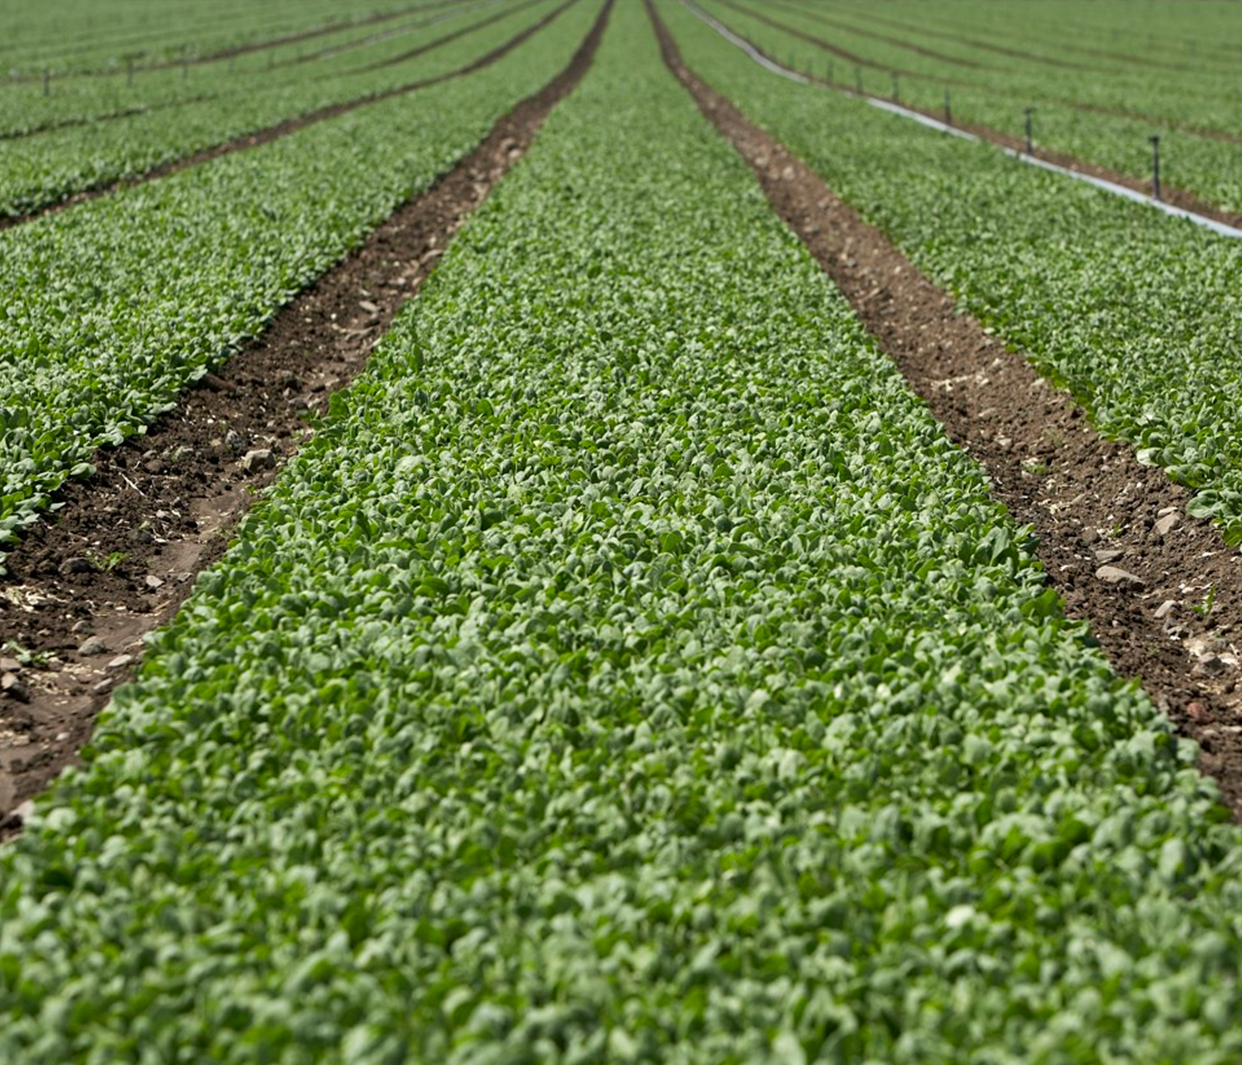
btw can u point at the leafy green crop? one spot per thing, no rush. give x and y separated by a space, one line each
1136 313
110 308
1095 107
630 670
48 168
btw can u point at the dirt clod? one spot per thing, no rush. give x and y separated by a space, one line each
1120 577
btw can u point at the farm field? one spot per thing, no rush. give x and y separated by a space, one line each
1096 101
612 555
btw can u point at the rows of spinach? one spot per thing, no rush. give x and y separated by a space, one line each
73 37
630 670
1102 116
109 309
129 87
1136 313
48 168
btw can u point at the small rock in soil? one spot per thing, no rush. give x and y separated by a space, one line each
152 581
1167 524
1210 665
120 662
93 646
234 440
1166 608
76 565
1109 554
14 688
25 811
1197 711
260 459
369 307
9 665
1119 577
80 626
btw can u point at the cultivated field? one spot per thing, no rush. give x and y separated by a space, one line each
609 531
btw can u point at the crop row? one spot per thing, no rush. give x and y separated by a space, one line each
112 307
1065 101
1168 36
26 110
1132 311
71 37
1201 94
45 169
629 670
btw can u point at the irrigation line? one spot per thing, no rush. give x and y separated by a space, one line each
932 123
746 46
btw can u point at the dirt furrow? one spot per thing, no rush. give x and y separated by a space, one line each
120 555
286 126
1162 590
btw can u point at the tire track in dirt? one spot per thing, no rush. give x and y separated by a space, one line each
1161 590
285 127
168 501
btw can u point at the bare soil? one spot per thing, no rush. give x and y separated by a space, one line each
120 555
1161 590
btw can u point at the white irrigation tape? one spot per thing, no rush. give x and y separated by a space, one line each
745 45
943 127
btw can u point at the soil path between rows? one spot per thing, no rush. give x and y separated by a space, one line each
161 507
1169 193
1161 590
289 125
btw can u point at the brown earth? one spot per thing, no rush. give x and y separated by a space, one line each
1161 590
121 553
286 126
